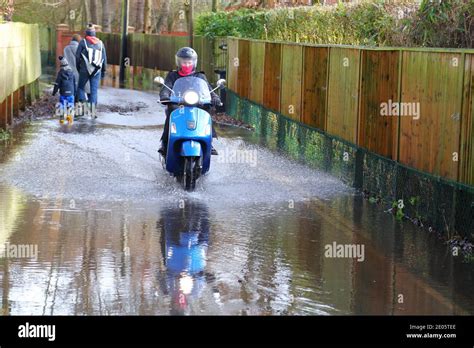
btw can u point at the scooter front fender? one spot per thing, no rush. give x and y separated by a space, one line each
191 148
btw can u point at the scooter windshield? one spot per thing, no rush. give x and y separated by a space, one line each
196 84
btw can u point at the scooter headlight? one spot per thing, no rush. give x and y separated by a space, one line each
191 97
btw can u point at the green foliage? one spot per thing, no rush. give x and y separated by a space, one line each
444 23
398 210
469 258
242 23
252 23
414 200
399 215
369 23
215 24
5 135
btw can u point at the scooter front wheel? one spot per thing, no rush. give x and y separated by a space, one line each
190 173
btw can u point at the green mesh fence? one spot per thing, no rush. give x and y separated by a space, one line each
445 205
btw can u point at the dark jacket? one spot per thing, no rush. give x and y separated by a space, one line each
65 83
92 42
173 76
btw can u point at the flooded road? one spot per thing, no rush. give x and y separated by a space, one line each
114 234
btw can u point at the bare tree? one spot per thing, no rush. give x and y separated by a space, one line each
68 18
147 17
139 13
161 24
85 13
93 9
106 10
6 10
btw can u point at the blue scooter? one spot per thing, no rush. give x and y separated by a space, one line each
188 155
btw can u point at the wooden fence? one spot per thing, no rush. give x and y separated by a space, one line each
20 68
157 52
353 93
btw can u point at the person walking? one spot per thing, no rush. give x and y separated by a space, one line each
70 54
91 63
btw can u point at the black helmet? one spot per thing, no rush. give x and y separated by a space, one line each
186 53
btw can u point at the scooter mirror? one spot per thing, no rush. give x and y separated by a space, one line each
221 83
159 80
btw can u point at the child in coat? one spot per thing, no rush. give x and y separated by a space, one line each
66 84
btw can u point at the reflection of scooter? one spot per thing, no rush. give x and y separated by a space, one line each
188 155
184 243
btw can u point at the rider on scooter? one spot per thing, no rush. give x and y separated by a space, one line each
186 62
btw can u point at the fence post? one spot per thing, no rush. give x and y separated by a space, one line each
123 51
37 89
60 29
9 110
28 96
3 114
15 104
22 98
359 169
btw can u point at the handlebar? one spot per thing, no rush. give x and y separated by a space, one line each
180 100
168 101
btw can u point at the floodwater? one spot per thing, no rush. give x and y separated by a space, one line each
104 230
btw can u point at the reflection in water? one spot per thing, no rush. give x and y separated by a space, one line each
123 258
184 240
11 206
81 125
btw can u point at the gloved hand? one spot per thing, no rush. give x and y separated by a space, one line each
165 95
216 101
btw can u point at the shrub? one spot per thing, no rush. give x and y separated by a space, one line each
444 24
370 23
